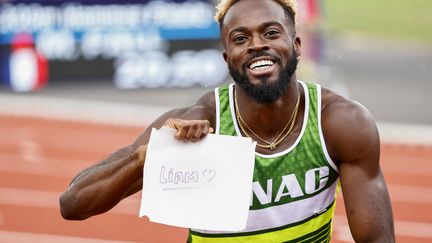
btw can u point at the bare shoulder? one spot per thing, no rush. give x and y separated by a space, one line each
348 128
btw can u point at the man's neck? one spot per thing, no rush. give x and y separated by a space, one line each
268 119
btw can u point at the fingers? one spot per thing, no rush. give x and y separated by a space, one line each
192 130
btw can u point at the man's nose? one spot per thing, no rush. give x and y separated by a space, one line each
257 43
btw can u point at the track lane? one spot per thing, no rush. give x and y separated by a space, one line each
39 157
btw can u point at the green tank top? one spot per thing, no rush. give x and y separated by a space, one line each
293 191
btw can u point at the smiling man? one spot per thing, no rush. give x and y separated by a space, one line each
310 141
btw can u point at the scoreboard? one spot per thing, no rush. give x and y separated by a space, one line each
132 44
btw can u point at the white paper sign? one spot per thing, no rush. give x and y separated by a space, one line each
202 185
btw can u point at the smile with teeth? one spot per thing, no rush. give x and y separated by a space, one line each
261 64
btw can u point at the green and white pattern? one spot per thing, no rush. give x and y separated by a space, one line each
293 191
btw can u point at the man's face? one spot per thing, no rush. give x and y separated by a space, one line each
259 48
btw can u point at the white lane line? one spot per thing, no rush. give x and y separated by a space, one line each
415 168
48 199
413 229
402 228
100 112
30 151
341 232
130 206
26 237
29 198
409 134
398 193
410 194
58 167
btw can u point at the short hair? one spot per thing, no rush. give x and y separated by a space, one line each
289 6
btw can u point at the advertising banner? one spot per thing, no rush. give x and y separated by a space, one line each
129 43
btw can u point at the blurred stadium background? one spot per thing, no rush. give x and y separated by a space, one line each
80 79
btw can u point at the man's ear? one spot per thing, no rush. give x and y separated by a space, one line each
225 56
297 46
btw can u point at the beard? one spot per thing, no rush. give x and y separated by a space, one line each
268 91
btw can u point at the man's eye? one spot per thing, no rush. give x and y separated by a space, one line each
239 39
271 33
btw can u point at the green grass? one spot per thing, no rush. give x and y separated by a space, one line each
401 19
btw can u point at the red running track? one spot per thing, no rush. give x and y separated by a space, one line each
38 158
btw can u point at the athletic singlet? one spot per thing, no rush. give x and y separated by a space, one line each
293 191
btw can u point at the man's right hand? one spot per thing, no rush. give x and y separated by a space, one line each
192 130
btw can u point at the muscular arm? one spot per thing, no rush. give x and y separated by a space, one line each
353 143
99 188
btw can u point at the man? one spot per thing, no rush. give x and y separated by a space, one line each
308 138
